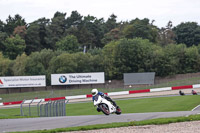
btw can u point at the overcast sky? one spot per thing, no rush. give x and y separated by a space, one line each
159 10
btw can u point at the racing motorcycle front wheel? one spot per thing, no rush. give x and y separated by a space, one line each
104 108
118 111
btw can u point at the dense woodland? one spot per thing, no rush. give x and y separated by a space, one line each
78 44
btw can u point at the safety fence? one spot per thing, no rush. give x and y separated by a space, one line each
43 109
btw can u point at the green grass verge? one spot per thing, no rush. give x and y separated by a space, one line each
122 124
159 104
72 92
11 113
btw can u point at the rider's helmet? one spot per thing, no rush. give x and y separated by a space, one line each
94 92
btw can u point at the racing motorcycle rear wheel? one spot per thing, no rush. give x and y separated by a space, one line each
104 108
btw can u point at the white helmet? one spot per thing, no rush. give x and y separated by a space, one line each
94 92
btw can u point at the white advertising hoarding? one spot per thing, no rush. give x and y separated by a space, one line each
77 78
22 81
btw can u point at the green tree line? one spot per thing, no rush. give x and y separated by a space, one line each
116 58
87 44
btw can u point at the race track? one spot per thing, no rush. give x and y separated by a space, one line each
28 124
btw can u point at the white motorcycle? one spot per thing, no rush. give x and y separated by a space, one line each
105 106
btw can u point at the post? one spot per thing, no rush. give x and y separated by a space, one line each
47 108
65 102
21 110
62 103
38 107
30 107
41 110
54 114
56 108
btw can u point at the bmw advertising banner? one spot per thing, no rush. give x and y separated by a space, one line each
77 78
22 81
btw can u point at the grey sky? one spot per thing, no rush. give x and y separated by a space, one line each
159 10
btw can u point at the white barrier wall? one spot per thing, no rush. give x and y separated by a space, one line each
161 89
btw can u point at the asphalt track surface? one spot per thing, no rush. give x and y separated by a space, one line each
28 124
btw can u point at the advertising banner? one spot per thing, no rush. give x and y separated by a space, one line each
22 81
77 78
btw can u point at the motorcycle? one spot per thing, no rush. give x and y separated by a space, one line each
106 106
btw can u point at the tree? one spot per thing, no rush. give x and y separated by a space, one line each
64 63
111 23
84 62
74 20
92 32
89 31
68 43
97 62
12 23
34 65
36 35
113 35
5 66
133 55
3 37
14 46
142 29
21 31
19 65
180 54
108 55
192 60
187 33
38 63
85 37
32 39
168 63
56 29
166 35
2 26
98 31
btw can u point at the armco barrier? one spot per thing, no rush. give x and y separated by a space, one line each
182 87
139 91
161 89
54 99
109 94
11 103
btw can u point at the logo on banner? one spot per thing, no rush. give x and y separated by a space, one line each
1 82
62 79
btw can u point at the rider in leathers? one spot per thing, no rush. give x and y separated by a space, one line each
96 92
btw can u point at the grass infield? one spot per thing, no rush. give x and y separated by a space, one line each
158 104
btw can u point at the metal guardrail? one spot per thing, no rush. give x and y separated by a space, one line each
43 109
